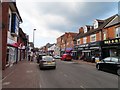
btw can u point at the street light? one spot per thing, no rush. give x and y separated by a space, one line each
33 35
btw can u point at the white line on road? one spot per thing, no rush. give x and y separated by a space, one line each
82 87
40 85
7 75
6 83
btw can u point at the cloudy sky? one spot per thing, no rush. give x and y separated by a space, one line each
52 19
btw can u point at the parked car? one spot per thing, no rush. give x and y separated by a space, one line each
111 64
57 57
47 62
66 57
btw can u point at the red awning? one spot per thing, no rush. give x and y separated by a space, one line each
14 45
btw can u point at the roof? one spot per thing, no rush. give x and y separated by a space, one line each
93 31
115 21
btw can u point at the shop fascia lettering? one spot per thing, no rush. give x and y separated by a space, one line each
83 45
113 41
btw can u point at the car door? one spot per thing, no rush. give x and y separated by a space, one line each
113 65
106 64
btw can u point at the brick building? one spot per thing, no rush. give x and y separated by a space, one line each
65 42
91 41
10 22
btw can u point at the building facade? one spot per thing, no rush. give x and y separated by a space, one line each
91 43
10 20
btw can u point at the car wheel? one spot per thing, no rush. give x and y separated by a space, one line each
118 72
98 67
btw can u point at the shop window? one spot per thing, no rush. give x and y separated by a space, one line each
118 32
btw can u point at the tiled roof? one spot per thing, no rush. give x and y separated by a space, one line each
93 31
114 22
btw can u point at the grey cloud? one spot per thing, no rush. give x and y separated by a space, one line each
83 14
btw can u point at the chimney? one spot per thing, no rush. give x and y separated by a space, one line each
81 30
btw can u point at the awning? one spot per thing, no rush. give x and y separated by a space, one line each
14 45
69 49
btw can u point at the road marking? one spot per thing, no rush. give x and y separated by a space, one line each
29 71
40 85
82 87
6 83
7 75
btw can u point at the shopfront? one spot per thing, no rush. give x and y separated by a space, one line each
96 52
111 47
12 53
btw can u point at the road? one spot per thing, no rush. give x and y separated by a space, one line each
67 75
76 75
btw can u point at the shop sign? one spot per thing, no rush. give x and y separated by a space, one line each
83 45
113 41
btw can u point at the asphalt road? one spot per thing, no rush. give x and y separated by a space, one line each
76 75
67 75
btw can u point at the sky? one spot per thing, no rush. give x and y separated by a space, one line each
53 19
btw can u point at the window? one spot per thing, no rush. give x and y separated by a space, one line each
107 59
117 32
85 29
113 59
104 35
78 41
93 38
84 39
95 24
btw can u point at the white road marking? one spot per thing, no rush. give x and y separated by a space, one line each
82 87
29 71
7 75
6 83
40 85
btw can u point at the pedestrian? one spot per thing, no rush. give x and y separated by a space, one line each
31 55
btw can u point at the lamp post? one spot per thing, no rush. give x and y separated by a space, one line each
33 34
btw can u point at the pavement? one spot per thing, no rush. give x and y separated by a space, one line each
84 62
23 73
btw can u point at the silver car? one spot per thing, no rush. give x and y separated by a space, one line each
47 62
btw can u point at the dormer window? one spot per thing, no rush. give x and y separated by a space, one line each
85 29
95 24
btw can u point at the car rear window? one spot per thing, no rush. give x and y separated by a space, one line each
48 58
114 59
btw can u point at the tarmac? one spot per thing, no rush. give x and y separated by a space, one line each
21 74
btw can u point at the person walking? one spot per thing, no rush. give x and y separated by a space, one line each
31 55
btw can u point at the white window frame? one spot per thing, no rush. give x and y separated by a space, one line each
91 38
85 29
117 32
95 24
85 40
104 35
